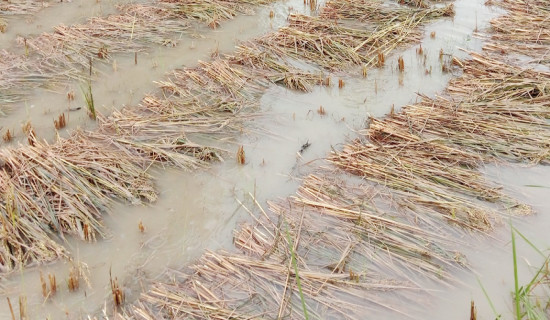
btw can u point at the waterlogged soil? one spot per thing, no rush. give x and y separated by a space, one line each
289 137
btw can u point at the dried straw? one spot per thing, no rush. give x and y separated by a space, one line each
423 158
489 79
64 54
333 46
223 285
20 7
100 37
20 74
50 191
351 225
524 30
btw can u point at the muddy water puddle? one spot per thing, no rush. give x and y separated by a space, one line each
294 132
492 259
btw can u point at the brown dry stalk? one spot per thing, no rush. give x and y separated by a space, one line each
487 78
241 158
73 283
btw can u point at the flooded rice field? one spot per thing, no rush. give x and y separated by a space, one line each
272 159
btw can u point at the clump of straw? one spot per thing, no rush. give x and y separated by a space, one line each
22 7
510 34
53 190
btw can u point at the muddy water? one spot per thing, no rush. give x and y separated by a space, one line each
492 260
199 211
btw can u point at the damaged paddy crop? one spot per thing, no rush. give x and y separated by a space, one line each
419 188
205 99
385 215
524 31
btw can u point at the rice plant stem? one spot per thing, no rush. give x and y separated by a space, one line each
295 265
516 282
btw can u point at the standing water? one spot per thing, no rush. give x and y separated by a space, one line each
198 211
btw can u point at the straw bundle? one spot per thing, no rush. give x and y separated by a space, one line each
487 79
523 30
20 74
265 68
351 226
62 189
23 242
223 285
377 11
514 130
362 10
210 11
61 56
423 171
332 46
157 131
101 37
415 3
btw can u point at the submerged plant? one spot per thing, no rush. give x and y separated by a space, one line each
295 266
7 137
61 122
241 157
532 300
89 98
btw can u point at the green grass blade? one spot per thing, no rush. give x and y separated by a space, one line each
528 242
516 280
497 316
295 265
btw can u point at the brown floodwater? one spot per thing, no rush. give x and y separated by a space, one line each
199 210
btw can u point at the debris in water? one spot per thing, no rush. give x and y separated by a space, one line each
7 137
60 122
241 156
117 293
70 95
74 279
304 147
